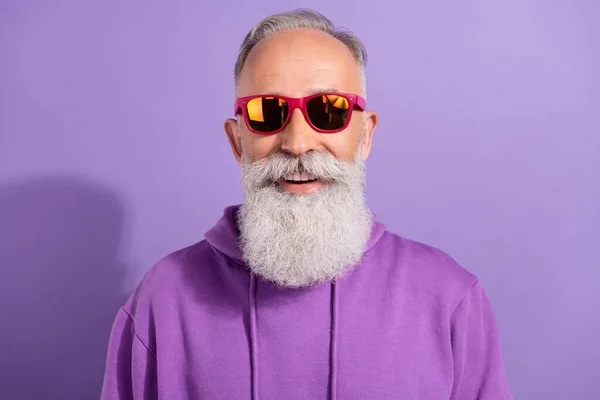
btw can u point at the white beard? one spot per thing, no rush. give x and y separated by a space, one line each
300 240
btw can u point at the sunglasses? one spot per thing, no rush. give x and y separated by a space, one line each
325 112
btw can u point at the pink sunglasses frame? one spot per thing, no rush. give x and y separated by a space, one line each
293 103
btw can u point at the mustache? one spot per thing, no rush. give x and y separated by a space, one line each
320 164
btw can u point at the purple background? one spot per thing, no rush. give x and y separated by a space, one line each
112 154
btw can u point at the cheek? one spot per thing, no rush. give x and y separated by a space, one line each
343 144
258 146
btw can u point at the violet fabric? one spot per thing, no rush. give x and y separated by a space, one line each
407 323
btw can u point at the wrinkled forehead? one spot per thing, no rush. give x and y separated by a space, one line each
298 63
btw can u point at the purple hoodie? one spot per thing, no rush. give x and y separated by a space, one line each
407 323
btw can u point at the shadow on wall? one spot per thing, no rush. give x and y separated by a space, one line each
60 283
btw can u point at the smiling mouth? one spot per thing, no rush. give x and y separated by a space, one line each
301 182
300 178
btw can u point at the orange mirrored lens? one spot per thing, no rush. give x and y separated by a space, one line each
328 112
267 114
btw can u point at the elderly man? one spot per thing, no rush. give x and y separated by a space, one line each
298 293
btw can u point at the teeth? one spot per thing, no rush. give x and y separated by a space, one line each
299 177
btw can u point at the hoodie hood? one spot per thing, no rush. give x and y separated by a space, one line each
225 236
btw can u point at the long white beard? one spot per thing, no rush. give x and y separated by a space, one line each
300 240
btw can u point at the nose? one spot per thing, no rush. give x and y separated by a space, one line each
298 137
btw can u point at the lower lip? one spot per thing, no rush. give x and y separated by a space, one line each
306 187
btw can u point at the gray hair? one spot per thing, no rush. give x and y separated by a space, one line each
300 19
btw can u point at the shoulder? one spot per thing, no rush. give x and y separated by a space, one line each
196 277
171 275
422 270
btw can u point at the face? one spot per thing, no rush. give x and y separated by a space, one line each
304 219
296 64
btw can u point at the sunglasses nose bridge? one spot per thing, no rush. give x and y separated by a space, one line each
298 137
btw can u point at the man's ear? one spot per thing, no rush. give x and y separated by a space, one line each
371 121
234 135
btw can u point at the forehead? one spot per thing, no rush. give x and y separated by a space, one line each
297 63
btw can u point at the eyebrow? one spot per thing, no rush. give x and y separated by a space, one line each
310 92
319 91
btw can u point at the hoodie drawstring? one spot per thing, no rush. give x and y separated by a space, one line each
334 334
253 337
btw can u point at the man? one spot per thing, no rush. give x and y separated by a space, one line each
299 293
